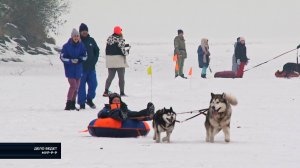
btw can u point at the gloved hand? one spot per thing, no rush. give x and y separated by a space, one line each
150 108
238 61
74 61
127 51
298 46
124 115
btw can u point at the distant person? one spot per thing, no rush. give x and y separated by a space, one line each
72 55
241 57
118 110
180 52
234 63
89 72
203 56
116 53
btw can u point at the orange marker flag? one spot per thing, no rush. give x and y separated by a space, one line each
177 67
191 71
175 58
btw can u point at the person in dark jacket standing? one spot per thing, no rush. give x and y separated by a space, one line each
116 53
180 52
234 63
203 56
72 55
89 72
241 57
118 110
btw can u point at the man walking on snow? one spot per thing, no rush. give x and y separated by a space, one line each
89 72
180 52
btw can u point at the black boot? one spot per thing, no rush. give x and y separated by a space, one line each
90 103
68 105
105 94
82 106
184 77
72 106
122 94
203 75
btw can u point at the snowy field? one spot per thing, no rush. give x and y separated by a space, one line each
264 125
263 130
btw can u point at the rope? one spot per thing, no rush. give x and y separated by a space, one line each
270 59
194 111
200 112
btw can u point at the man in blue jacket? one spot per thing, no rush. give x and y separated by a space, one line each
89 72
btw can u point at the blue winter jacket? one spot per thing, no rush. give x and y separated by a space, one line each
71 51
200 56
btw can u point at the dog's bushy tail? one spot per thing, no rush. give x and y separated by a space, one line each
231 99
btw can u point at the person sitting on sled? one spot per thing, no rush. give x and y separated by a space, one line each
118 110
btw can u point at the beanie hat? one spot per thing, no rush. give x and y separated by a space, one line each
83 27
112 96
180 31
74 33
118 30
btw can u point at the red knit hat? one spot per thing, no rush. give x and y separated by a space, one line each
118 30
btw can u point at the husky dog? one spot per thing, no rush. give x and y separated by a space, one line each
218 116
163 121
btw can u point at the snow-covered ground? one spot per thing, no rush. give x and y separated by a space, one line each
264 124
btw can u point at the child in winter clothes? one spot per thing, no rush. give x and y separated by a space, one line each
118 110
203 56
72 55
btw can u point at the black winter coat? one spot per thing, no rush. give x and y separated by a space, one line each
241 52
92 53
116 45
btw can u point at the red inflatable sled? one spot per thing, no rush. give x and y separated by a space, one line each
108 127
282 74
225 74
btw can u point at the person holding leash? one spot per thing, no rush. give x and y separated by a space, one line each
118 110
241 57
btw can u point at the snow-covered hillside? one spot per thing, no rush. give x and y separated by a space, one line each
264 124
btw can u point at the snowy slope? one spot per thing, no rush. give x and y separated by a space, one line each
264 124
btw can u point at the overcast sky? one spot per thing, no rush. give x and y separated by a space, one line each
160 19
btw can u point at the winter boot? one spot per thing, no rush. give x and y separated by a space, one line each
90 103
183 76
203 75
72 106
122 94
68 105
82 106
105 94
151 109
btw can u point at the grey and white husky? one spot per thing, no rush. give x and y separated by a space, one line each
218 116
163 121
